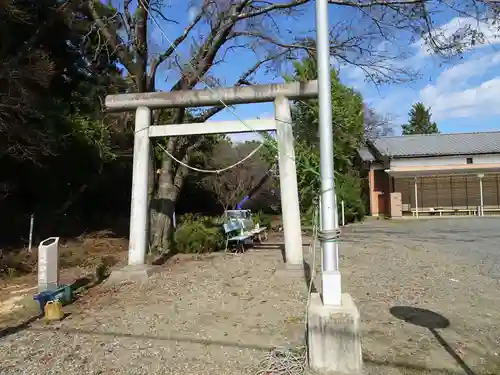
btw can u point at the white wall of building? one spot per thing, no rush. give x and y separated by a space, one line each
445 160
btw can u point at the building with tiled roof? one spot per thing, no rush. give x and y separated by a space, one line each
434 174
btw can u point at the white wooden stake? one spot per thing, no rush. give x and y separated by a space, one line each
32 223
416 198
343 213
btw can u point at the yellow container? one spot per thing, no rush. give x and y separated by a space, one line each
53 310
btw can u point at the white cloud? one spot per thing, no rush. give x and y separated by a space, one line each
458 75
354 76
334 63
480 101
453 97
193 12
395 104
472 33
469 87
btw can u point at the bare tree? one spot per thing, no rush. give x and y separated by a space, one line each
231 186
219 31
376 125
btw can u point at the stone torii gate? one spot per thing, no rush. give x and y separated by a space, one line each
143 103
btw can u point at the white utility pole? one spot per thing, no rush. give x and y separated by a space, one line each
331 276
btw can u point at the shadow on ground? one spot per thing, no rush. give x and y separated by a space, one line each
308 276
19 327
164 258
432 321
172 338
410 368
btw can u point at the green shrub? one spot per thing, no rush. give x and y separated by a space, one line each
101 272
198 235
187 219
349 189
263 219
208 221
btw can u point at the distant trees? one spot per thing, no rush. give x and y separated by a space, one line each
420 121
231 186
376 125
59 154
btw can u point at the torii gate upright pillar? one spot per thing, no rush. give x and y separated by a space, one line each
290 210
139 210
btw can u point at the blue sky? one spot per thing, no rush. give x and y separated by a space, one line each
463 93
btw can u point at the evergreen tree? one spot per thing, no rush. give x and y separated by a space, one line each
420 121
348 135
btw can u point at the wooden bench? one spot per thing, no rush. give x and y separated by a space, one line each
234 232
241 232
256 230
441 211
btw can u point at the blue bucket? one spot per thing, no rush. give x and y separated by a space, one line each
62 294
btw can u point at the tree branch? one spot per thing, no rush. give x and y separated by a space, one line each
165 55
270 8
111 39
198 141
129 22
269 39
374 3
243 80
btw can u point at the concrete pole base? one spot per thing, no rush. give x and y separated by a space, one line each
334 343
332 288
136 273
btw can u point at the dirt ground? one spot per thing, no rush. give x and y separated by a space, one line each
220 314
447 266
213 314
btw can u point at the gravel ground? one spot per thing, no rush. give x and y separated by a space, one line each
220 314
215 315
448 266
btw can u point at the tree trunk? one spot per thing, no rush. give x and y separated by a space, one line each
165 194
162 232
163 206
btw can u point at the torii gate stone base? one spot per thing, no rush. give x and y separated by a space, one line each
143 103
